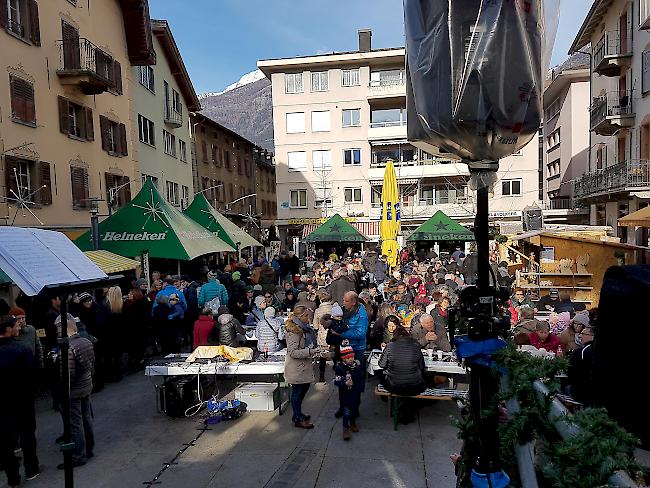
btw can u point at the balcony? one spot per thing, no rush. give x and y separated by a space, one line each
394 129
611 112
612 53
387 88
83 64
463 207
173 117
420 169
619 178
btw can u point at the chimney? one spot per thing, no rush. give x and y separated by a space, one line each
365 40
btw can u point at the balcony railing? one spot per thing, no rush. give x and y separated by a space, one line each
609 52
388 123
83 63
172 117
562 203
620 177
16 28
611 112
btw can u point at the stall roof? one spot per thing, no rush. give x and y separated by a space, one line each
336 229
149 223
640 218
545 233
110 262
205 214
441 227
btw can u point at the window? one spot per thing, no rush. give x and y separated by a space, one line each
375 196
75 120
446 193
510 187
319 81
185 192
113 136
320 121
153 179
118 190
323 203
80 190
182 149
167 100
553 139
387 77
351 117
427 195
553 109
297 161
170 143
24 176
645 72
22 101
177 104
644 12
21 19
293 83
389 117
146 130
352 195
298 198
322 160
350 77
146 77
295 122
172 193
351 157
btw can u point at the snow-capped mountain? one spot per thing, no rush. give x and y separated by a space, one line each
247 79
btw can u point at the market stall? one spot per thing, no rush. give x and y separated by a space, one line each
573 263
336 234
442 229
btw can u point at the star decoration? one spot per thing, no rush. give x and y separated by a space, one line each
336 228
23 199
441 226
153 211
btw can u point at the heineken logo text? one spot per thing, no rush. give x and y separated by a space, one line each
128 236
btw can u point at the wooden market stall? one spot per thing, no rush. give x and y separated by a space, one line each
573 262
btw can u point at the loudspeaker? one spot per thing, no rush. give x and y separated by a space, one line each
621 340
176 395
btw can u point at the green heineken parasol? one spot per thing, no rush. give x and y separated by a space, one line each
336 229
202 212
149 224
441 228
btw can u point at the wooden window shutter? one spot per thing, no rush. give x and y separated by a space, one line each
71 48
110 183
4 15
103 129
126 190
117 74
10 177
22 99
204 150
44 195
122 140
89 130
64 116
34 27
79 177
214 154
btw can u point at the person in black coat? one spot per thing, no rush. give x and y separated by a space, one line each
403 365
293 263
580 370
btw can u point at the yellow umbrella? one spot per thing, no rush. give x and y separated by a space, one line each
389 225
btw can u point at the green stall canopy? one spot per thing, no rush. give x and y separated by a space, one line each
441 228
202 212
148 223
336 229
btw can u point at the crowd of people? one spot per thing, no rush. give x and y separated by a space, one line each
322 309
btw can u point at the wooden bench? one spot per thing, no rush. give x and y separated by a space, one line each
428 394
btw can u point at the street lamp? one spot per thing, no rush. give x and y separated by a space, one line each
229 205
112 194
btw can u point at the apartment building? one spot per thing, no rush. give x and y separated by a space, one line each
617 180
235 175
566 139
163 97
338 118
65 90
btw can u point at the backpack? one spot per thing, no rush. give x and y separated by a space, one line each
214 305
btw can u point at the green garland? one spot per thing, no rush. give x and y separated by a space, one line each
584 461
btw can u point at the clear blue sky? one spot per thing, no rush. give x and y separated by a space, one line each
220 40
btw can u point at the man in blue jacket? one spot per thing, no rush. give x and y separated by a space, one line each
356 318
170 289
212 289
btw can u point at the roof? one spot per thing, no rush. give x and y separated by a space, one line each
590 24
268 66
110 262
640 218
137 28
562 80
336 229
440 227
546 233
164 35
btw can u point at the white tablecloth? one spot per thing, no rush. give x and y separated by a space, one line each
450 366
177 367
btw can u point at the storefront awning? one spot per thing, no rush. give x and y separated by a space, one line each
110 262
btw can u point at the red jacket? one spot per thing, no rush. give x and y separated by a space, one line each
552 342
202 328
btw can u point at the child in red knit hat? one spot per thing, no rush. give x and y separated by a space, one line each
349 379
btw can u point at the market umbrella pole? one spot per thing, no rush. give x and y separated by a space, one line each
64 344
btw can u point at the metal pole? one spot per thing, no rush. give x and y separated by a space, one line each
94 227
145 269
482 237
68 445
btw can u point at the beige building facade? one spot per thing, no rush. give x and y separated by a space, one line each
338 118
163 97
566 140
617 181
65 90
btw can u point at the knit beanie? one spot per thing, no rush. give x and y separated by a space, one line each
236 275
580 318
269 312
337 311
563 319
346 351
259 300
16 311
